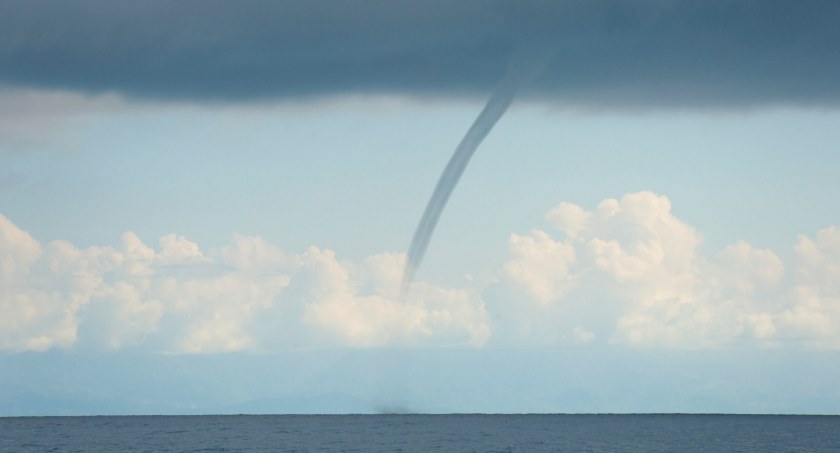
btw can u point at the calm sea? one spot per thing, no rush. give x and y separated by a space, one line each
424 433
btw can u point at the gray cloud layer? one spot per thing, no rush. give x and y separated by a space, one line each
607 53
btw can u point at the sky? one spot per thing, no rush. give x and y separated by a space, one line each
205 207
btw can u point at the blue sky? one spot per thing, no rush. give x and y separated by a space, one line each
663 225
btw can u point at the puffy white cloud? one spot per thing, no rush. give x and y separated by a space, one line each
569 218
812 315
249 295
430 314
17 252
747 269
541 266
629 272
35 313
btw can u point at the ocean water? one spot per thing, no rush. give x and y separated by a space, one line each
424 433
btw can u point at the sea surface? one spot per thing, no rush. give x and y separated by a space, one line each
424 433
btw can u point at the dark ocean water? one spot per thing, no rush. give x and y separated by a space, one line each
424 433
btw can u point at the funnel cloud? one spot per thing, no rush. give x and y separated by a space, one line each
518 72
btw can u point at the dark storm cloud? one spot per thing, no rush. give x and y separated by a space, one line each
618 53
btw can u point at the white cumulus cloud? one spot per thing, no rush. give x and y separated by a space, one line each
250 295
630 272
627 273
812 315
